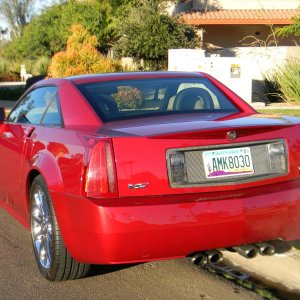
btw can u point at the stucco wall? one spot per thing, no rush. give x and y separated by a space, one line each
266 59
238 71
232 71
232 35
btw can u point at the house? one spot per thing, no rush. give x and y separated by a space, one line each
233 23
237 44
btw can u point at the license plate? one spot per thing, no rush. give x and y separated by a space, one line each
227 162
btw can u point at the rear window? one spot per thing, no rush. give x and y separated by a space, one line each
116 100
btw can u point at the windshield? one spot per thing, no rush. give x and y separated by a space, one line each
126 99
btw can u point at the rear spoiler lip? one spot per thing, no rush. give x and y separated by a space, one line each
217 133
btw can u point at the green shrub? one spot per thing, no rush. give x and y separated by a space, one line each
272 90
14 68
10 69
288 80
41 65
3 70
6 73
266 90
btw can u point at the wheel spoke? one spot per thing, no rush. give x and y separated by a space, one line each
36 216
37 244
37 199
41 227
37 232
45 207
49 230
42 251
45 254
39 196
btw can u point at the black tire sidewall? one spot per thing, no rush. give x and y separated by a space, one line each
63 266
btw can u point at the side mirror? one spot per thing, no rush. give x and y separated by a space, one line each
2 114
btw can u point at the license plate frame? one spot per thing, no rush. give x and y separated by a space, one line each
222 163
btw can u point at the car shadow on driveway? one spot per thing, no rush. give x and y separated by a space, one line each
285 246
296 244
97 270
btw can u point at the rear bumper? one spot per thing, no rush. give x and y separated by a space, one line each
143 229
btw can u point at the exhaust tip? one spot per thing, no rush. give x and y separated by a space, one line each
265 249
214 256
198 259
247 251
252 253
206 257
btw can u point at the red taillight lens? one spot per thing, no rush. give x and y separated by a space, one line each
100 179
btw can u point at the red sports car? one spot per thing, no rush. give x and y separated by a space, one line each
134 167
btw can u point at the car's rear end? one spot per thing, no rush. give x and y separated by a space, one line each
169 178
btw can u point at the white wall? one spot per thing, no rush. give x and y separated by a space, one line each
266 59
237 71
233 72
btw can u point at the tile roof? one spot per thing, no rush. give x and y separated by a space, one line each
240 16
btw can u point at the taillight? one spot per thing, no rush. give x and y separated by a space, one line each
100 176
177 168
277 157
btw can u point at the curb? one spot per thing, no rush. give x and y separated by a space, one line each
275 106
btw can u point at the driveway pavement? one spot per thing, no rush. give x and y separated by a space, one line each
171 279
280 271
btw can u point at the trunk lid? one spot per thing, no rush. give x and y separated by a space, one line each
141 147
191 126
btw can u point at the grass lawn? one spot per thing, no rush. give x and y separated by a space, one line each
294 112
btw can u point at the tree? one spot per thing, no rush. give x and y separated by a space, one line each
148 32
290 30
81 56
47 33
117 4
17 13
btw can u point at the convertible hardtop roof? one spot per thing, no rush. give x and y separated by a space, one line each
130 75
81 79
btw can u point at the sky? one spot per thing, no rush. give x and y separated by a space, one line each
39 5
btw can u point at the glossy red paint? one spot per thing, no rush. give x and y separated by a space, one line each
158 221
151 228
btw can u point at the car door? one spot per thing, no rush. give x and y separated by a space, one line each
15 142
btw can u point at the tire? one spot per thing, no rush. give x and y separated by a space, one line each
52 257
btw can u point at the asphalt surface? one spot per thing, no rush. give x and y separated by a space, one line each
172 279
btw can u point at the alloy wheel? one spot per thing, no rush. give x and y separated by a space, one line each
41 228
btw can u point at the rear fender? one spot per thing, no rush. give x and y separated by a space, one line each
45 164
